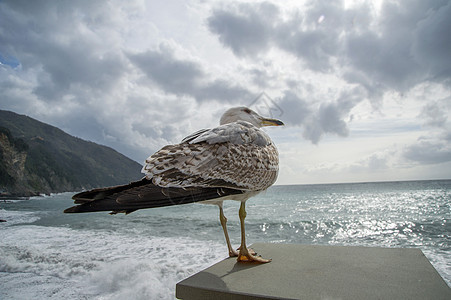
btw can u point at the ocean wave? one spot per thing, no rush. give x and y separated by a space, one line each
17 217
100 265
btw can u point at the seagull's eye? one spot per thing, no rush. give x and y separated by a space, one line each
247 110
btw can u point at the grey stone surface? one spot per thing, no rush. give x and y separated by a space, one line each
320 272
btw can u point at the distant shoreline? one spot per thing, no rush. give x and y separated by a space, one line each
16 197
28 196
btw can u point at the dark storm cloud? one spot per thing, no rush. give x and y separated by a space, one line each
332 117
171 74
320 117
296 109
432 43
406 44
50 38
186 77
392 67
71 65
313 35
409 45
247 29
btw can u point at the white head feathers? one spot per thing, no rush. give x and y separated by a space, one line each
248 115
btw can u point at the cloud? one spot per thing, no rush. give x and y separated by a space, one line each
375 162
320 117
429 152
432 41
312 41
186 77
70 53
171 74
388 52
434 114
250 29
245 28
296 109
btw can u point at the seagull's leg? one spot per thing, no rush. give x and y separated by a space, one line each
244 254
223 220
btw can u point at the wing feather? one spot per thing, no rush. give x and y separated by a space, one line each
142 194
234 155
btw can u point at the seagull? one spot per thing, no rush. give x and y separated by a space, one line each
234 161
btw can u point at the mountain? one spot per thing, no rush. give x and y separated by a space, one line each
36 158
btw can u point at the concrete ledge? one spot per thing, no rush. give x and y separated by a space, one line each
320 272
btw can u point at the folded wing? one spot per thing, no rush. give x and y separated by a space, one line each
142 194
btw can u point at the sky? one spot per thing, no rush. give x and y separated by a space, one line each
364 87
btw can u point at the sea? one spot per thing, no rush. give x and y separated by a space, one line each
46 254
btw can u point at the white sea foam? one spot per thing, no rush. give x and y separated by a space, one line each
44 262
17 217
441 260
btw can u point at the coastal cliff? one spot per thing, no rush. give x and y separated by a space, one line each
36 158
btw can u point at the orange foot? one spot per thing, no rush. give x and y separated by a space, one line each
246 256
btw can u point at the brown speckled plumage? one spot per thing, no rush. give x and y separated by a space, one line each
236 155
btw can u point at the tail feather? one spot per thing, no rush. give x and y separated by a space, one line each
142 194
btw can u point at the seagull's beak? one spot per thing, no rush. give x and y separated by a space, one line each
271 122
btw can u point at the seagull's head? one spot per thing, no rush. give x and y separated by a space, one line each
246 114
